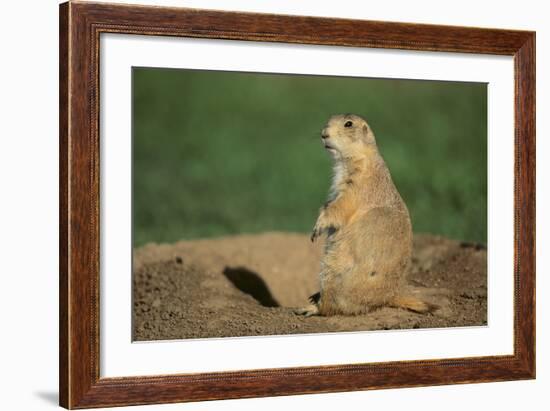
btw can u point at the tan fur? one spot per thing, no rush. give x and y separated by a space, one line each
412 303
369 235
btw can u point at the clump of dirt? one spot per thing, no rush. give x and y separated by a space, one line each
248 284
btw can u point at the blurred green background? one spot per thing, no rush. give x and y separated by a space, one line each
219 153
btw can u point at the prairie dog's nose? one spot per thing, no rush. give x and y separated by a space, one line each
324 134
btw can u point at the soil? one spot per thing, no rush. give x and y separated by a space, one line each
247 285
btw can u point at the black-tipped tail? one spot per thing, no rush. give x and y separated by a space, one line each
414 304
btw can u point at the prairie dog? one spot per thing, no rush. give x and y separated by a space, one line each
369 234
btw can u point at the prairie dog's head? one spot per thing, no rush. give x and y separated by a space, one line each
347 135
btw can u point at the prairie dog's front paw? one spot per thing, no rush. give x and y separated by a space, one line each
314 234
321 225
317 231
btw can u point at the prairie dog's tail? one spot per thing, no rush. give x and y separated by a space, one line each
412 303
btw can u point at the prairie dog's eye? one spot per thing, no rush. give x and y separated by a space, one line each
348 124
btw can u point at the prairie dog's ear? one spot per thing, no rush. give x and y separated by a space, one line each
368 135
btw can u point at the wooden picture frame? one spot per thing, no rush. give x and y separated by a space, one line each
80 27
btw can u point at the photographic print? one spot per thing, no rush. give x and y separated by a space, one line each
275 204
241 183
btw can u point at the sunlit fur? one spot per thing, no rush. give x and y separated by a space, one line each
369 235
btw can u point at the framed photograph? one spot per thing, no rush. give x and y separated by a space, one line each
259 205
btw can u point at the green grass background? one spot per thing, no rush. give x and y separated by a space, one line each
219 153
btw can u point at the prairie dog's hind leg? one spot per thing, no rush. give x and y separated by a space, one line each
311 309
307 311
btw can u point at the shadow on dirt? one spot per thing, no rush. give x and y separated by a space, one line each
252 284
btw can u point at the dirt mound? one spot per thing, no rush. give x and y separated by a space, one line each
247 285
